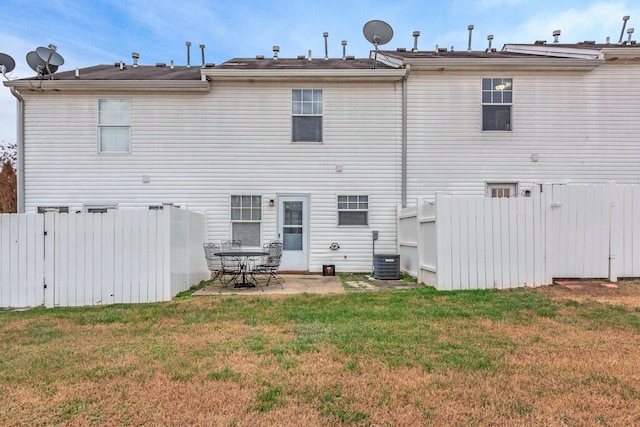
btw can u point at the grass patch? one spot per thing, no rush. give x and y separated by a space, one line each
268 398
69 410
495 358
224 374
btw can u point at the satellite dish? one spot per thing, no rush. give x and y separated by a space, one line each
7 63
49 55
45 61
377 32
38 65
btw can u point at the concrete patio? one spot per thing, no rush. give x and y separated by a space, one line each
293 284
312 284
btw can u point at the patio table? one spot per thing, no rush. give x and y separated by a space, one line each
243 257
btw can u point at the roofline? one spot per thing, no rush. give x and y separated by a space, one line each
610 52
554 51
112 85
379 74
502 63
613 53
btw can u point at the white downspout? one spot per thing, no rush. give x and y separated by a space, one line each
613 232
20 143
404 137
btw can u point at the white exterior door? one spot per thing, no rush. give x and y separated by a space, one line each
293 231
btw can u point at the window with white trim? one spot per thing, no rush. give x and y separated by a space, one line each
58 209
502 189
114 123
306 115
100 208
497 99
246 219
353 210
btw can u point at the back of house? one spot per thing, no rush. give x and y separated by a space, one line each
320 153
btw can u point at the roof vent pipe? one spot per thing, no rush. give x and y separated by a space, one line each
276 49
624 24
608 40
556 35
470 28
135 56
309 54
630 32
416 34
326 48
172 66
344 49
202 49
490 38
188 44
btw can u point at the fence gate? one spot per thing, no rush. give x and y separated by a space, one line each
21 260
79 259
582 229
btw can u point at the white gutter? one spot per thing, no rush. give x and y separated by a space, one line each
538 63
553 51
113 85
614 53
369 75
20 143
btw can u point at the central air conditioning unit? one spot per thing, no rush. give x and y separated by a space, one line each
386 266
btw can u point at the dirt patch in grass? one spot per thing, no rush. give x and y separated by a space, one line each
623 292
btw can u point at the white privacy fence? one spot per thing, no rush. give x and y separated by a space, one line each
123 256
586 231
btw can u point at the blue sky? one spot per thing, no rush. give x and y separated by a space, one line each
91 32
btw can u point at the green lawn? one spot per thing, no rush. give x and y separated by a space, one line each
405 357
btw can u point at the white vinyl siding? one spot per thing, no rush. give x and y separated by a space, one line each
579 126
114 121
198 149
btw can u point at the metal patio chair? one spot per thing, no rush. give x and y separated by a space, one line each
230 245
270 263
214 262
231 266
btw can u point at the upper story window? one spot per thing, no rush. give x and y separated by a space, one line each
246 217
306 112
497 98
353 210
114 122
